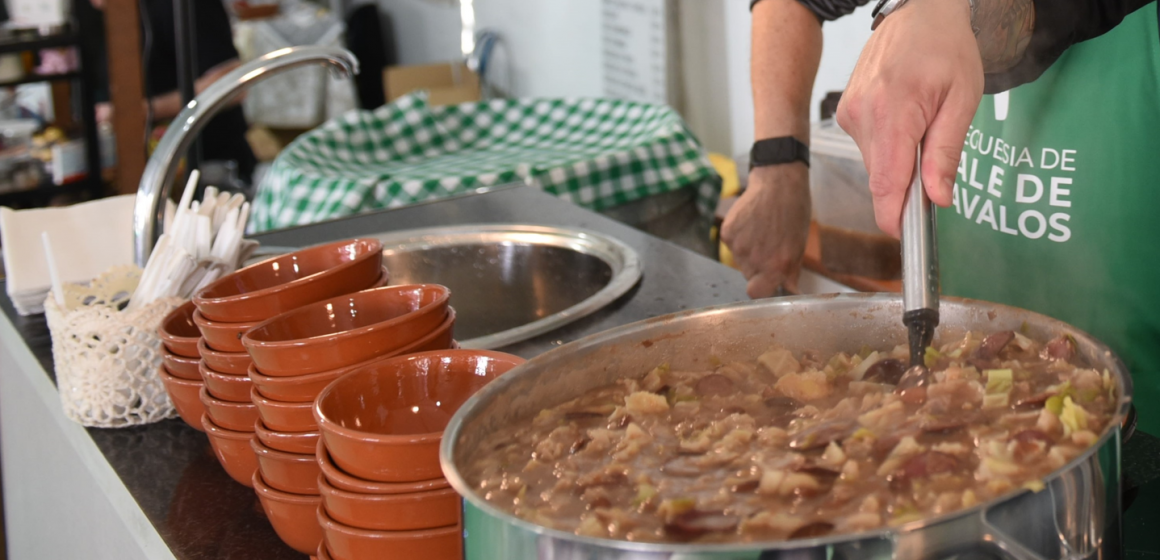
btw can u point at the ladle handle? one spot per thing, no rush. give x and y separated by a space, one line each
919 250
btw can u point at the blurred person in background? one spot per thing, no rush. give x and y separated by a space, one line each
1048 184
224 137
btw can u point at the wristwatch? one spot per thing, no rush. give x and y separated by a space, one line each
886 7
883 9
775 151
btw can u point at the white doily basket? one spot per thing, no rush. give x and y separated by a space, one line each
107 360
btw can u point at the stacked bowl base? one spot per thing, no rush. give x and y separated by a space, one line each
236 303
296 355
383 493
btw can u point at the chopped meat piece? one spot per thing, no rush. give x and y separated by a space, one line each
645 403
1061 347
821 435
779 362
714 384
888 371
806 386
993 344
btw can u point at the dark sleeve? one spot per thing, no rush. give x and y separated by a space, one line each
1059 25
215 40
826 10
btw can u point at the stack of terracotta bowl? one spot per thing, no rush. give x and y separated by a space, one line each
297 354
236 303
179 369
383 493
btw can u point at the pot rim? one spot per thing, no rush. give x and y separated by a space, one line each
497 386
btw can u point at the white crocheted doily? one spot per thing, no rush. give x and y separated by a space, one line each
107 359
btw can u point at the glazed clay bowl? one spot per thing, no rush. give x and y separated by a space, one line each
290 442
229 415
222 336
284 416
289 281
226 386
296 473
391 512
343 481
346 330
344 542
304 388
178 333
184 394
180 366
292 515
233 451
234 363
384 422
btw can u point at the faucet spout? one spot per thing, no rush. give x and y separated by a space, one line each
161 169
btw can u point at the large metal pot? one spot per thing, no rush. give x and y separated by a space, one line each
1076 516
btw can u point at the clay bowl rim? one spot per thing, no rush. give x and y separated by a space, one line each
206 370
260 427
261 449
184 360
255 396
333 472
170 338
324 486
265 490
334 374
329 524
200 320
178 380
207 399
212 429
203 349
444 297
376 247
325 424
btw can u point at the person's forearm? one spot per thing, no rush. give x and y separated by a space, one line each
166 106
1004 29
787 48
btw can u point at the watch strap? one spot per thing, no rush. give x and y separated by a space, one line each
776 151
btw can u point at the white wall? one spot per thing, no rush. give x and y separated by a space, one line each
426 31
551 47
719 102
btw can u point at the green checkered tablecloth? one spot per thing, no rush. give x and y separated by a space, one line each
598 153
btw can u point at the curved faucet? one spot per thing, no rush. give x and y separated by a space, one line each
161 170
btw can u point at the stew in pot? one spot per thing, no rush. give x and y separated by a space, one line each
796 446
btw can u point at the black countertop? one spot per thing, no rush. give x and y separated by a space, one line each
202 514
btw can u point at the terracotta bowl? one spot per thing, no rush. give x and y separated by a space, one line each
344 481
304 388
293 516
346 330
226 386
286 282
344 542
233 451
284 416
384 421
222 336
296 473
178 333
234 363
229 415
290 442
322 553
391 512
180 366
184 394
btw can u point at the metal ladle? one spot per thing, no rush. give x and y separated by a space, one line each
919 276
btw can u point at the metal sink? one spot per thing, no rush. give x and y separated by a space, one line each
513 282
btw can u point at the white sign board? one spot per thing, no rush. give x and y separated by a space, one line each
634 50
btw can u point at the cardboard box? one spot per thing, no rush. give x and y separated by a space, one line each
446 84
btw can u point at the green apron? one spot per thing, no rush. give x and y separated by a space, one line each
1056 199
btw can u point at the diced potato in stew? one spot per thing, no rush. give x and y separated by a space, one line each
789 446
